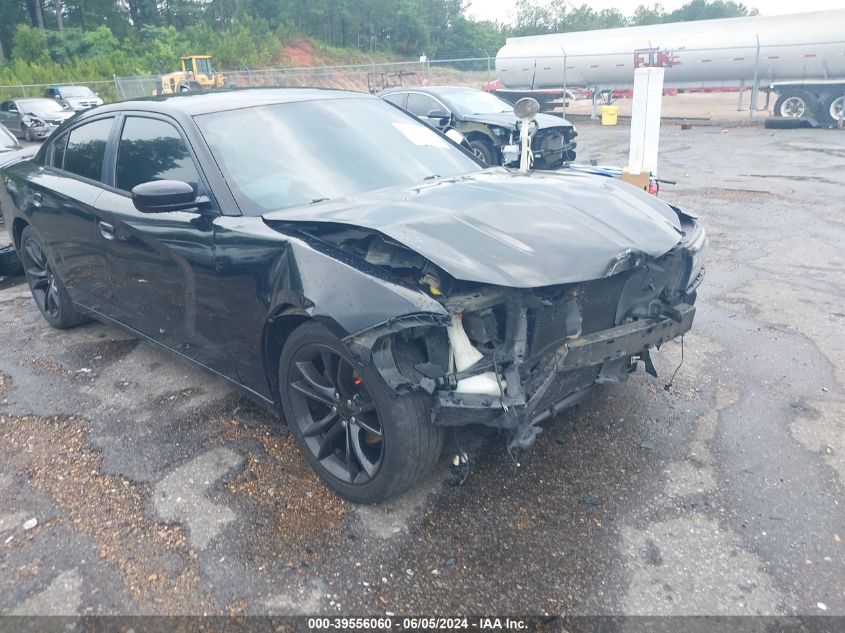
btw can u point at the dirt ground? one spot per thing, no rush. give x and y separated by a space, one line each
713 106
133 483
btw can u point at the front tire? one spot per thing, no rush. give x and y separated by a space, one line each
50 295
483 150
366 442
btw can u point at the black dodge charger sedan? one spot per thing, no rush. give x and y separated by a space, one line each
351 267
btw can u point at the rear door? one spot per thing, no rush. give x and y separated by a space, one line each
157 260
62 196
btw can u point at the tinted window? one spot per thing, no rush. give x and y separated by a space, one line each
398 98
421 105
58 157
86 149
152 150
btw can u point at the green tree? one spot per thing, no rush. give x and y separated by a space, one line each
30 45
644 15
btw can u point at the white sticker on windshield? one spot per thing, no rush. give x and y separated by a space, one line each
420 135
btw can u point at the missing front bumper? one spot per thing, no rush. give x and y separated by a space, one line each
566 374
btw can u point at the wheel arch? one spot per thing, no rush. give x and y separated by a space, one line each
478 135
277 330
18 225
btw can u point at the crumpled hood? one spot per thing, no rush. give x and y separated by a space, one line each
508 120
510 229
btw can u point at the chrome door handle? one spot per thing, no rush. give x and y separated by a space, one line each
37 199
107 230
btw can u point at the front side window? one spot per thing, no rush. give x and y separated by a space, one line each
420 104
151 149
290 154
86 149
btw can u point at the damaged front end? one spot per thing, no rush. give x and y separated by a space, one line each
511 358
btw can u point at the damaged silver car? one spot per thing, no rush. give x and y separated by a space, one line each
351 267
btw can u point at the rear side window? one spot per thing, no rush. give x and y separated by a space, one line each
150 150
86 149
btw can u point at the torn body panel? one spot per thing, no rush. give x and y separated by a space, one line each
512 357
505 355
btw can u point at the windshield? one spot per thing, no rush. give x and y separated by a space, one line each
475 102
41 107
291 154
7 141
76 91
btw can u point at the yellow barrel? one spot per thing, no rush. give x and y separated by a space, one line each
608 114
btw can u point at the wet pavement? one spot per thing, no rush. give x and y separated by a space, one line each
156 489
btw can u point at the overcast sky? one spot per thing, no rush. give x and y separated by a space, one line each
503 10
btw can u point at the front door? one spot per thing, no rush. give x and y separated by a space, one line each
158 260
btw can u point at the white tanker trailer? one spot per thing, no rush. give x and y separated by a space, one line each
800 56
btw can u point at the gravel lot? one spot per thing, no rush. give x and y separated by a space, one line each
156 489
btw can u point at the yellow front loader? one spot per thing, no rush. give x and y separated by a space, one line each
197 74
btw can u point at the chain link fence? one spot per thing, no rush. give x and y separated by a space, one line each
105 89
575 94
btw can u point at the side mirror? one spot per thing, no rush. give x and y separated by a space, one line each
161 196
441 115
526 108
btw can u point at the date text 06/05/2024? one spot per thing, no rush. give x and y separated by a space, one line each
417 623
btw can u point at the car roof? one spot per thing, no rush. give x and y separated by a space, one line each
195 103
434 90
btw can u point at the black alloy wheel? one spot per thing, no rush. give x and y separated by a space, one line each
42 282
366 441
50 296
336 414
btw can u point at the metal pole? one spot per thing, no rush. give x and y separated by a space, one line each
563 110
753 105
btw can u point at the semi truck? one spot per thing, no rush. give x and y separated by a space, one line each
799 57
